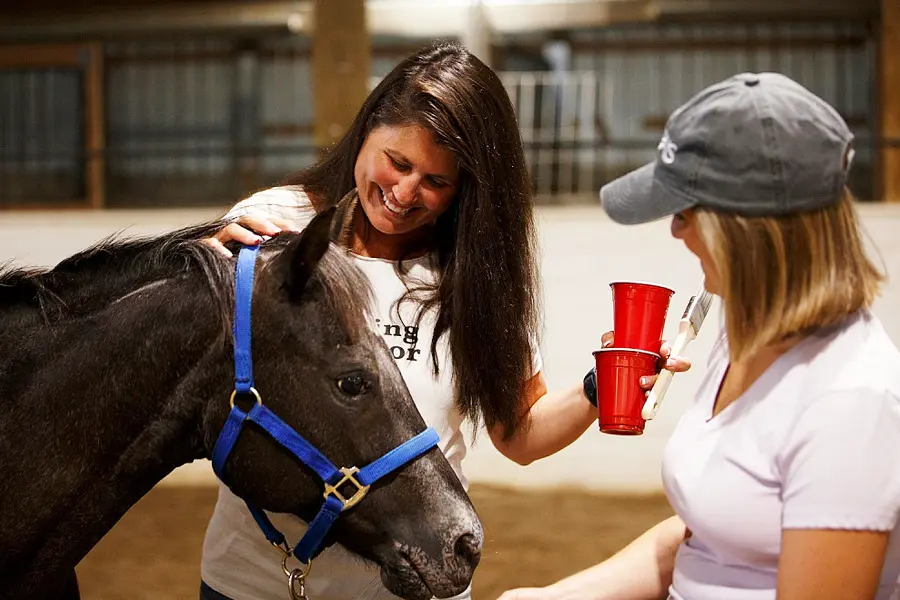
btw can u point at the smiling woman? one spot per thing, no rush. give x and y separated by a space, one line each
405 182
438 209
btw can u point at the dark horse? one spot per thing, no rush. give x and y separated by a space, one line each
116 368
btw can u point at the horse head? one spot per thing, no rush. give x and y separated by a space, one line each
320 368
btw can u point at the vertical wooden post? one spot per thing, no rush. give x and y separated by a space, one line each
94 126
341 56
476 34
247 118
890 100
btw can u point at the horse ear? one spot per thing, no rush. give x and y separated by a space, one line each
342 223
302 256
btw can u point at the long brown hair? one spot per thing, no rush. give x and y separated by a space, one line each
487 296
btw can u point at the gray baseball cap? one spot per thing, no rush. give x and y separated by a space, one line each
756 144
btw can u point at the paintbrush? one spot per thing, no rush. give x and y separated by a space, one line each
689 326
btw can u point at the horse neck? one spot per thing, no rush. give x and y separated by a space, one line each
96 410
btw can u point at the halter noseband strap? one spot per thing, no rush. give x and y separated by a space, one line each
282 433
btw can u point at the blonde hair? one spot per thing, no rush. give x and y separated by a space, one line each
789 275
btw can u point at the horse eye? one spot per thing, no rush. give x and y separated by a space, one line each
353 385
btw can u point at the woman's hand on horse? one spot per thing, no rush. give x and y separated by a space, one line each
247 230
677 364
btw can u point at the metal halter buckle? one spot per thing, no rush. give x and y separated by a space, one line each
349 476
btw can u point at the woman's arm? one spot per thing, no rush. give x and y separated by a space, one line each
553 420
822 564
840 492
640 571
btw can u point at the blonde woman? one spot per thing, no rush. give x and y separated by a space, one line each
785 472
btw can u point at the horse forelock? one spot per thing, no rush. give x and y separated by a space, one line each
347 291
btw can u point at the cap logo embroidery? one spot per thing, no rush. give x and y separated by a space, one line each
849 153
667 149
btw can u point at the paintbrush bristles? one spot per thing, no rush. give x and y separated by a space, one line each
697 309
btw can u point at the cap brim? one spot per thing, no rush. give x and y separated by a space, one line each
638 197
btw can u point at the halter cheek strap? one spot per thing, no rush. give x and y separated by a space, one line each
334 479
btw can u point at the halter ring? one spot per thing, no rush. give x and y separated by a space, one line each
252 391
303 571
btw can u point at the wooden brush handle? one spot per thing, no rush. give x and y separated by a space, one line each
655 397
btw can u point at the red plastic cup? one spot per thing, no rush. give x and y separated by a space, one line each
639 314
620 397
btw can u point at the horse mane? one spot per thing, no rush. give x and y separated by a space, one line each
116 266
95 277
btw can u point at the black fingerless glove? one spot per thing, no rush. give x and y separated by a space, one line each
590 386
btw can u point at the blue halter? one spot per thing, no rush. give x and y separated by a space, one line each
332 477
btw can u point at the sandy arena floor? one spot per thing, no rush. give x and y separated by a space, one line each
530 539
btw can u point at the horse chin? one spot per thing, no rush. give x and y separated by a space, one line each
402 580
412 576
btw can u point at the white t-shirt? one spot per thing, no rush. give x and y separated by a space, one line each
237 559
814 443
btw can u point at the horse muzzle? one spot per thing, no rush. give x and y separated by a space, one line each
414 574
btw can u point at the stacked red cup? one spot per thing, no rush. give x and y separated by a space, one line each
639 316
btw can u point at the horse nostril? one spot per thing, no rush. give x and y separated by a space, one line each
468 548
